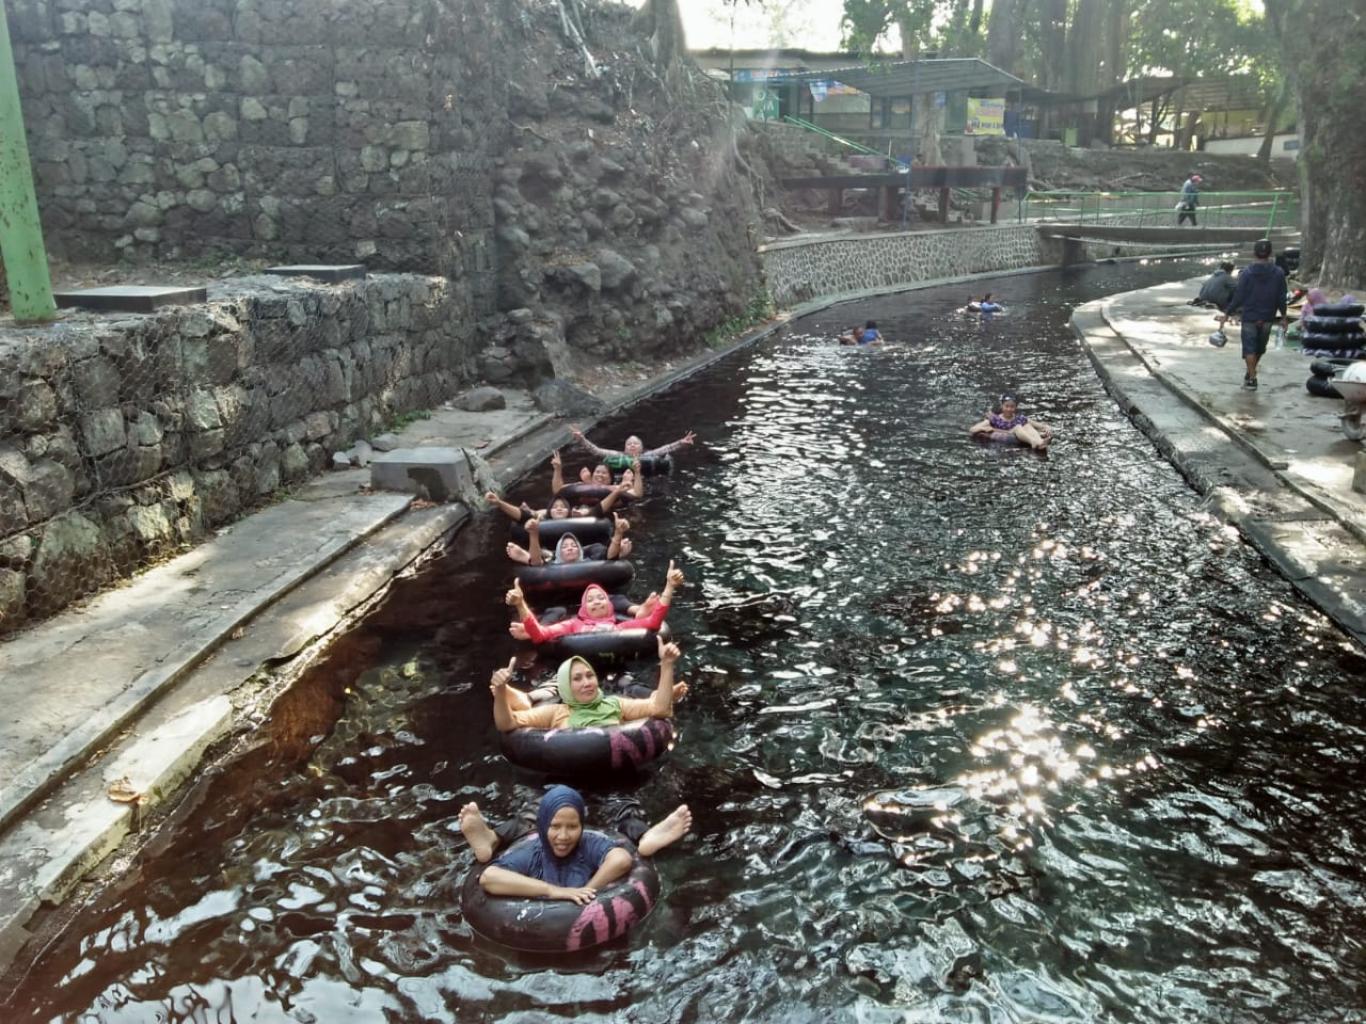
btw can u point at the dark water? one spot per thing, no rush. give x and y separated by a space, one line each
975 735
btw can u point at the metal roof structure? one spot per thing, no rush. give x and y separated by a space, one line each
897 79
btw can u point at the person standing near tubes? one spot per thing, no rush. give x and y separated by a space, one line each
1259 298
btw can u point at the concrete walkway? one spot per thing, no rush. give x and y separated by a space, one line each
1274 461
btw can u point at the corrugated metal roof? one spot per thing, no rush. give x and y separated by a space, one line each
902 78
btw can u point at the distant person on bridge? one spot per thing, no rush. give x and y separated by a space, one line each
1190 199
1259 298
1218 288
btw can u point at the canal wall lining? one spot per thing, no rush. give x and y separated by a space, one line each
810 269
123 440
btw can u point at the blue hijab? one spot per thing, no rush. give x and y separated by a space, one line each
537 860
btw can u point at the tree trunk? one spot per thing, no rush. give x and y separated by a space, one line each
1332 79
1003 35
1053 43
1084 43
975 19
1270 116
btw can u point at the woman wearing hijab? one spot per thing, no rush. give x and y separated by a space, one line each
596 612
584 704
633 451
567 861
568 550
561 507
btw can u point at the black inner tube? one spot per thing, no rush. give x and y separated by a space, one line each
1331 324
561 926
610 575
588 530
612 751
588 494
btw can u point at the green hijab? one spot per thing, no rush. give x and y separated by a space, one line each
582 714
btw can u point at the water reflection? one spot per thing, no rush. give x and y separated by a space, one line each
974 735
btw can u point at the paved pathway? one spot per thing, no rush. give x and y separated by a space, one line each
1274 461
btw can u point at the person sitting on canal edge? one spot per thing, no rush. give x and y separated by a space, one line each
1217 289
1259 298
1190 199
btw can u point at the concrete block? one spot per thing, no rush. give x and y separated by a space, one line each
439 474
1359 474
328 272
130 298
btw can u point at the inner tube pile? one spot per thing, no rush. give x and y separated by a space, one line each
1333 329
1322 372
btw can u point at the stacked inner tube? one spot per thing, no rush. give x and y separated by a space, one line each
1333 327
1322 371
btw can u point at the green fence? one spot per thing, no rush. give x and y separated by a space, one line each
1270 209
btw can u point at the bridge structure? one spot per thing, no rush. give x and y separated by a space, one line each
915 177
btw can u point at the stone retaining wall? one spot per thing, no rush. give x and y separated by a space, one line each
124 438
295 130
801 271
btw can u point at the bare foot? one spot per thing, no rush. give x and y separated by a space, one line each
481 838
670 830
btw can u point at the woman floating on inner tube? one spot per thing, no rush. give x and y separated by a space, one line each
1010 424
596 612
561 507
568 861
568 549
584 704
985 306
632 479
633 451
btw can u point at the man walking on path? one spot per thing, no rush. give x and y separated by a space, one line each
1259 297
1190 199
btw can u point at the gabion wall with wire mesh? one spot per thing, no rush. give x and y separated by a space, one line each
290 130
123 439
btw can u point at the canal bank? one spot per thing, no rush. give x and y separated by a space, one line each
1272 462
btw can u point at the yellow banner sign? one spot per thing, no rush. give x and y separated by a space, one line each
986 117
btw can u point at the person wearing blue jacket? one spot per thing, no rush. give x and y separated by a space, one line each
1259 298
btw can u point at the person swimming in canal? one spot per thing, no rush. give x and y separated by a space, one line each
868 334
1008 423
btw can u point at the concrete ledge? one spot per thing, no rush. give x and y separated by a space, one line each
130 298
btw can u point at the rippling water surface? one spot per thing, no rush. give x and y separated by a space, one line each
974 735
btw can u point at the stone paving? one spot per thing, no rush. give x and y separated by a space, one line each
1273 461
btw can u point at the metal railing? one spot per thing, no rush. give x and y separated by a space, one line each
1274 209
858 147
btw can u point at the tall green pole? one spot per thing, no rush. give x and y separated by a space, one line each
21 233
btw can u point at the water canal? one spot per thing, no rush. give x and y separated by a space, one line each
974 735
